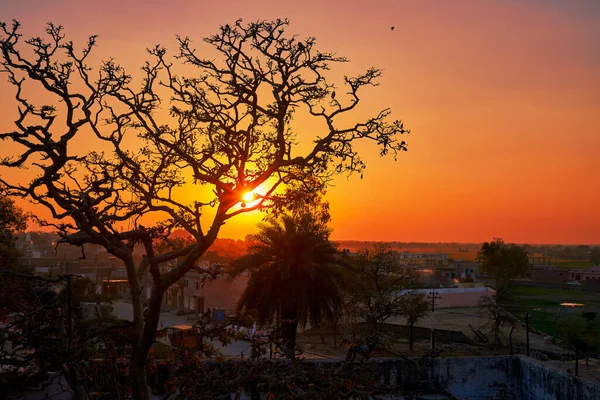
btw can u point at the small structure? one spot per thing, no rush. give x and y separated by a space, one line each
183 336
115 287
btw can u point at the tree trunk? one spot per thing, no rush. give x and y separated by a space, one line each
587 360
289 327
141 346
335 326
137 375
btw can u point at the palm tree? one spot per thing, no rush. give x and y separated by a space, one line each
294 274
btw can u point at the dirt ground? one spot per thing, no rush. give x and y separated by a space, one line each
553 355
455 319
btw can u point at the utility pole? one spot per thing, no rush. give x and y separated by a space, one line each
527 331
433 295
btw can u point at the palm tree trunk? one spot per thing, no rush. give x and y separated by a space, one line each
289 327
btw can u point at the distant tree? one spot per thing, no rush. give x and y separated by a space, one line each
85 290
580 333
377 280
503 262
414 308
12 221
595 255
294 273
591 333
13 289
229 130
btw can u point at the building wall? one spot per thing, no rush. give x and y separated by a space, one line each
190 295
549 275
588 274
422 259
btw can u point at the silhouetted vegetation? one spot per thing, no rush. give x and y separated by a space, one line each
295 274
230 133
375 288
503 262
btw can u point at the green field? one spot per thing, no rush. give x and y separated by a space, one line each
569 264
544 306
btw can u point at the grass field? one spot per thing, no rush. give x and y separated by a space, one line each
569 264
544 306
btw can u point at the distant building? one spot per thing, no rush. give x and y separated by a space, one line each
586 275
193 295
422 259
115 287
465 270
549 274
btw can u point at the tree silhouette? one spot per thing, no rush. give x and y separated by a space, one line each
414 308
376 286
497 317
503 262
12 221
294 274
229 130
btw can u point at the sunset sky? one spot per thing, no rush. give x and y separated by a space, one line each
502 97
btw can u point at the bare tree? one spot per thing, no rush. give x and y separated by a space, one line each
376 286
415 307
229 130
497 317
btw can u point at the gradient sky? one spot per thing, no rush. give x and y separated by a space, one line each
503 99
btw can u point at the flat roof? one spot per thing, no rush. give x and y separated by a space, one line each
182 327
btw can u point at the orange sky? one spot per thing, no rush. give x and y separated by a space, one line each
503 98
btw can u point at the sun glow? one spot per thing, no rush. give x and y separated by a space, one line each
248 197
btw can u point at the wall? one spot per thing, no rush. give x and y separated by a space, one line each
474 378
544 383
466 378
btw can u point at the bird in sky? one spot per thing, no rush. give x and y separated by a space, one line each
392 28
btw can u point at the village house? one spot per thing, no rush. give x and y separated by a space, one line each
195 295
584 275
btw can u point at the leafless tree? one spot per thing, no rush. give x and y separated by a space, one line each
377 285
229 129
497 317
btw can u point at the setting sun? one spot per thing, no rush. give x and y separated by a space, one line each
248 197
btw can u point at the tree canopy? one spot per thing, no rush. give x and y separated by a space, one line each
503 262
217 123
12 221
376 284
295 273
